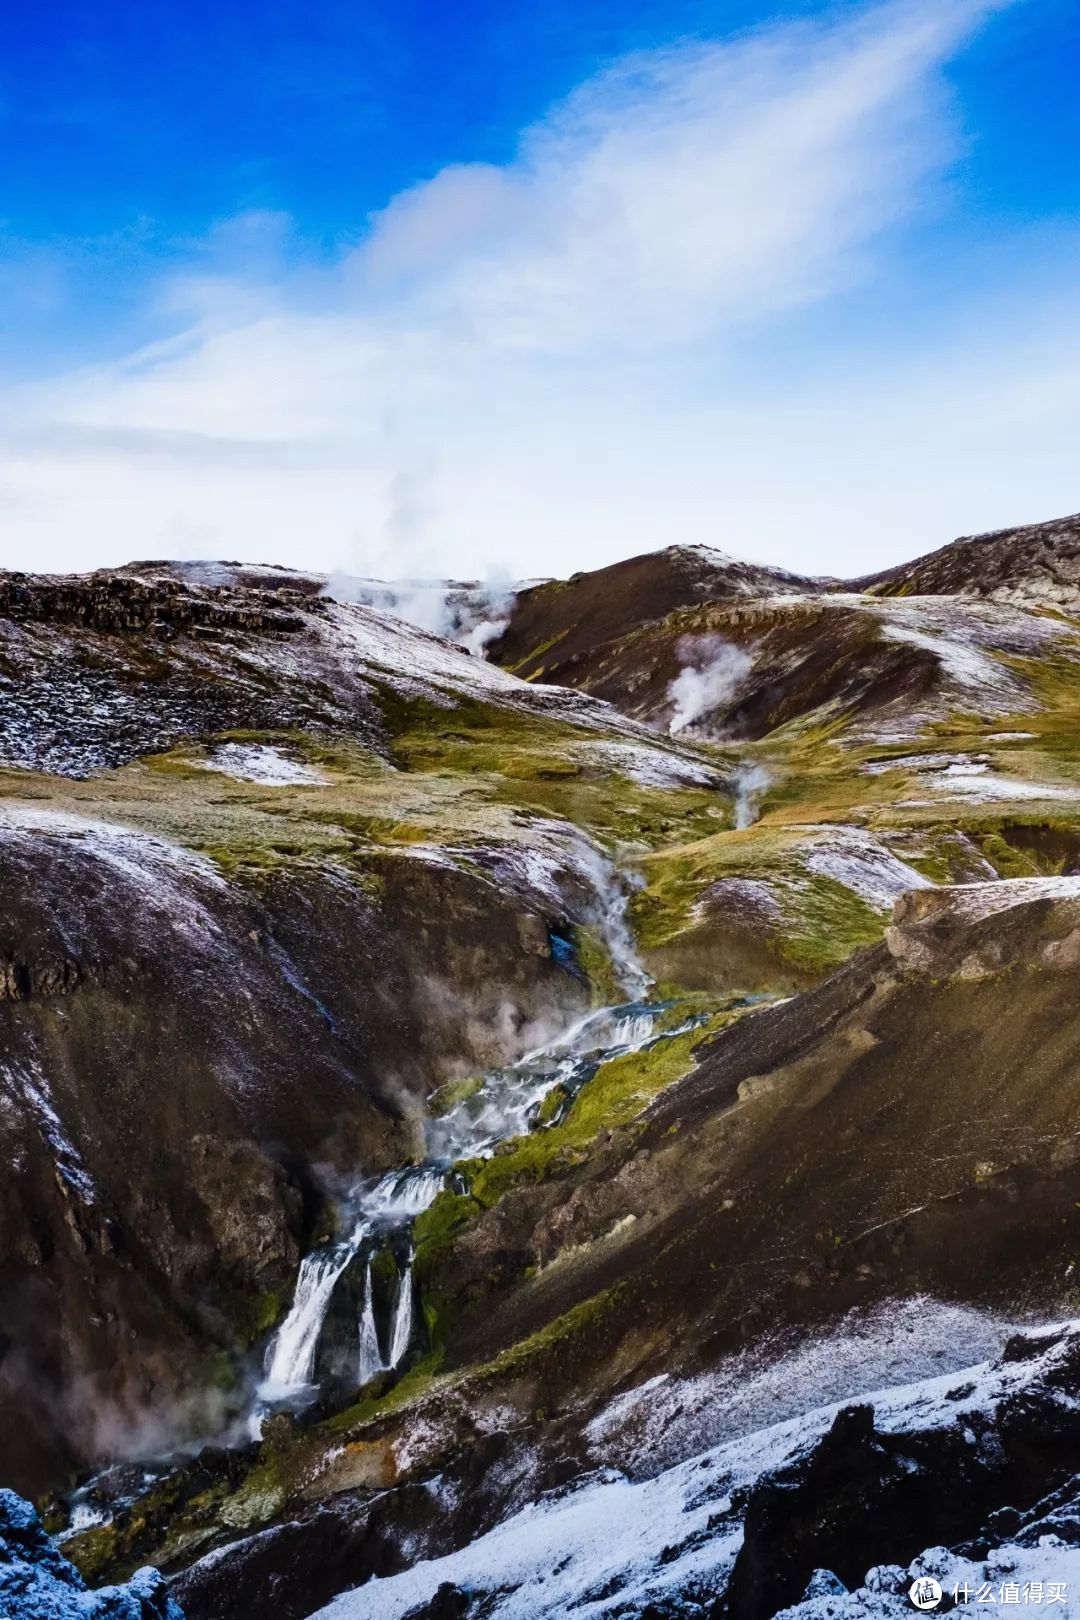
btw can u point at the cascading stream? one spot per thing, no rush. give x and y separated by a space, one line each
505 1105
401 1336
291 1359
370 1361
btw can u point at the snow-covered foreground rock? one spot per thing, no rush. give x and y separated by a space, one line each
989 1449
36 1583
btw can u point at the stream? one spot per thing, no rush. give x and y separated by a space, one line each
380 1212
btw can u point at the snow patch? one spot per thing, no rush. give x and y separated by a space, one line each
259 762
651 767
613 1543
864 866
966 776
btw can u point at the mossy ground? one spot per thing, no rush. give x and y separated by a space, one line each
616 1095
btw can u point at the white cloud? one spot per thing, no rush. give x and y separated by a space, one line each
549 365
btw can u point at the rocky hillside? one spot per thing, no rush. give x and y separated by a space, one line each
425 1085
881 656
1039 563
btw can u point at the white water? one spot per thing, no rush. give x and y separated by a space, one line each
371 1361
504 1106
291 1358
401 1337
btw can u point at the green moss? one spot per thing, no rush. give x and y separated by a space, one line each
575 1329
418 1381
251 863
252 1314
552 1105
434 1233
1007 860
452 1093
827 924
539 651
384 1270
616 1095
595 962
153 1527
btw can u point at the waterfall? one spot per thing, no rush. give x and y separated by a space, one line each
371 1361
401 1337
290 1360
505 1105
634 1032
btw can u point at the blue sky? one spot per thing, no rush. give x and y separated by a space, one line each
520 287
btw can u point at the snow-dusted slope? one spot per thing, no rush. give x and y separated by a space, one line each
619 1541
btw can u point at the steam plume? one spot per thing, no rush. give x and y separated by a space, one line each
711 672
749 782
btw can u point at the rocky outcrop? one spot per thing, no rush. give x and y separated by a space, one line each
1038 562
862 1500
120 604
36 1583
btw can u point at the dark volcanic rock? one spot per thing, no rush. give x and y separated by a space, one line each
449 1603
862 1499
859 1499
565 630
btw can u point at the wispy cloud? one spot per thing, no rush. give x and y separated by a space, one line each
529 365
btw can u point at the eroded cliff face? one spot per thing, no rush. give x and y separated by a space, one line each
187 1066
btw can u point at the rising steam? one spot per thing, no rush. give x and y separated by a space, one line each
711 672
472 614
749 783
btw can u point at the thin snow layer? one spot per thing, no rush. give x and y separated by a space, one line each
964 636
974 780
668 1419
615 1542
141 856
415 662
749 898
36 1583
848 855
255 762
971 901
167 876
855 859
29 1086
650 767
967 776
1046 1577
969 641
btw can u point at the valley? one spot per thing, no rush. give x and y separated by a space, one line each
528 1120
